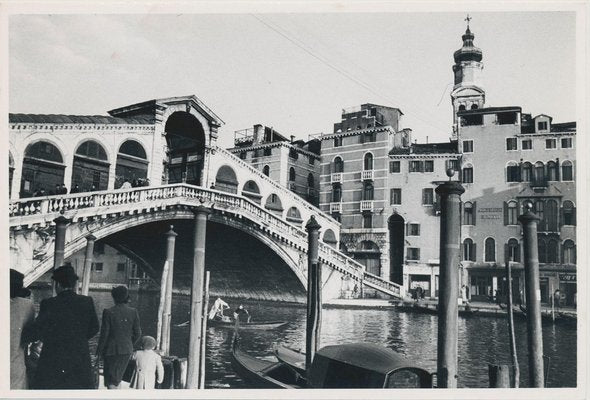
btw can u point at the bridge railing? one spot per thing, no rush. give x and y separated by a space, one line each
147 196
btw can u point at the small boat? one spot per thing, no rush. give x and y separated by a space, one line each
294 358
230 324
356 365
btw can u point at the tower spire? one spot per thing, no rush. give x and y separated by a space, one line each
468 19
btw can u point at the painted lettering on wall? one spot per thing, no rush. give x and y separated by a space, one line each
490 213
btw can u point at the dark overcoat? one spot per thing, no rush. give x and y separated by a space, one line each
65 324
119 331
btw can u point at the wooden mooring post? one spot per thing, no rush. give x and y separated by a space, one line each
511 326
88 257
167 314
163 286
314 293
204 332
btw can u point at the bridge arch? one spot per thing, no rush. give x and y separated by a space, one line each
226 180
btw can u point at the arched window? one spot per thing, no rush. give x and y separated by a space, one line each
474 107
273 203
567 171
368 163
226 180
568 213
512 172
569 252
468 250
310 181
330 238
467 173
551 215
91 168
292 174
539 174
513 249
527 172
92 149
43 169
133 148
251 191
338 165
294 216
490 250
132 165
462 107
266 170
542 246
468 213
540 211
552 251
552 171
511 213
368 191
336 193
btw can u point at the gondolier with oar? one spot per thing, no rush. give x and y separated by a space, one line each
216 312
241 314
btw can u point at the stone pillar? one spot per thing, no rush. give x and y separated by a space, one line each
533 296
166 321
314 292
61 224
194 349
88 257
450 231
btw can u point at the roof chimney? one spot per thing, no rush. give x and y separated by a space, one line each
292 138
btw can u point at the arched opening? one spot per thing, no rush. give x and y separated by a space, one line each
567 171
43 168
552 171
274 205
513 250
226 180
568 213
474 107
330 238
292 174
294 216
551 216
336 193
490 250
251 191
132 164
468 250
266 170
539 174
569 252
527 172
368 162
462 107
396 225
338 165
368 191
186 148
370 256
91 167
311 192
542 247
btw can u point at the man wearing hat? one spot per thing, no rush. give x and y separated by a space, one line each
119 331
22 315
65 324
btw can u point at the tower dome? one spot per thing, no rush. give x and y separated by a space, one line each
468 52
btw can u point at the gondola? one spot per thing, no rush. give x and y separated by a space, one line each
294 358
355 365
229 324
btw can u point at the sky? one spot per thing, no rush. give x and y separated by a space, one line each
294 72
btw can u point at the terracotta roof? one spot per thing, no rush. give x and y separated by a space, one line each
77 119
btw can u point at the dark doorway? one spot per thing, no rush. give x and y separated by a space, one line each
396 225
186 148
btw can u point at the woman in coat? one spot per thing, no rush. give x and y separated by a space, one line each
22 316
119 331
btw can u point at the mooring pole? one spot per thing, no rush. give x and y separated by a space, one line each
314 293
450 231
167 315
88 256
533 296
61 224
195 328
511 325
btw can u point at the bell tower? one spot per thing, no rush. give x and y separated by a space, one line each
468 92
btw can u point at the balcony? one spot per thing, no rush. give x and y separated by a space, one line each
539 183
336 177
367 205
367 175
336 207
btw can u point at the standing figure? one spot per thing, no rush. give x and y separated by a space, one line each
126 185
148 365
557 298
65 324
241 314
22 316
119 331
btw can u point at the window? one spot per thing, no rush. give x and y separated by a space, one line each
336 193
413 229
310 181
413 254
367 220
395 167
513 250
511 144
368 163
293 153
490 250
369 137
568 213
120 267
427 197
338 165
552 251
97 267
539 174
468 250
292 174
511 213
567 172
396 196
550 143
551 215
527 144
542 125
258 153
453 164
337 141
512 172
552 171
566 143
416 166
468 146
540 211
506 118
429 166
527 172
467 176
311 160
243 155
469 213
266 170
542 247
267 151
569 252
368 192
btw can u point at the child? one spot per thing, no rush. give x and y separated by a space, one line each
148 365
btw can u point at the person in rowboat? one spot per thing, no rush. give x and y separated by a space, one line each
216 312
241 314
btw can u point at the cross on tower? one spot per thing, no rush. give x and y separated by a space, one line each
468 19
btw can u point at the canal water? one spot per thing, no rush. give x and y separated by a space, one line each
482 340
